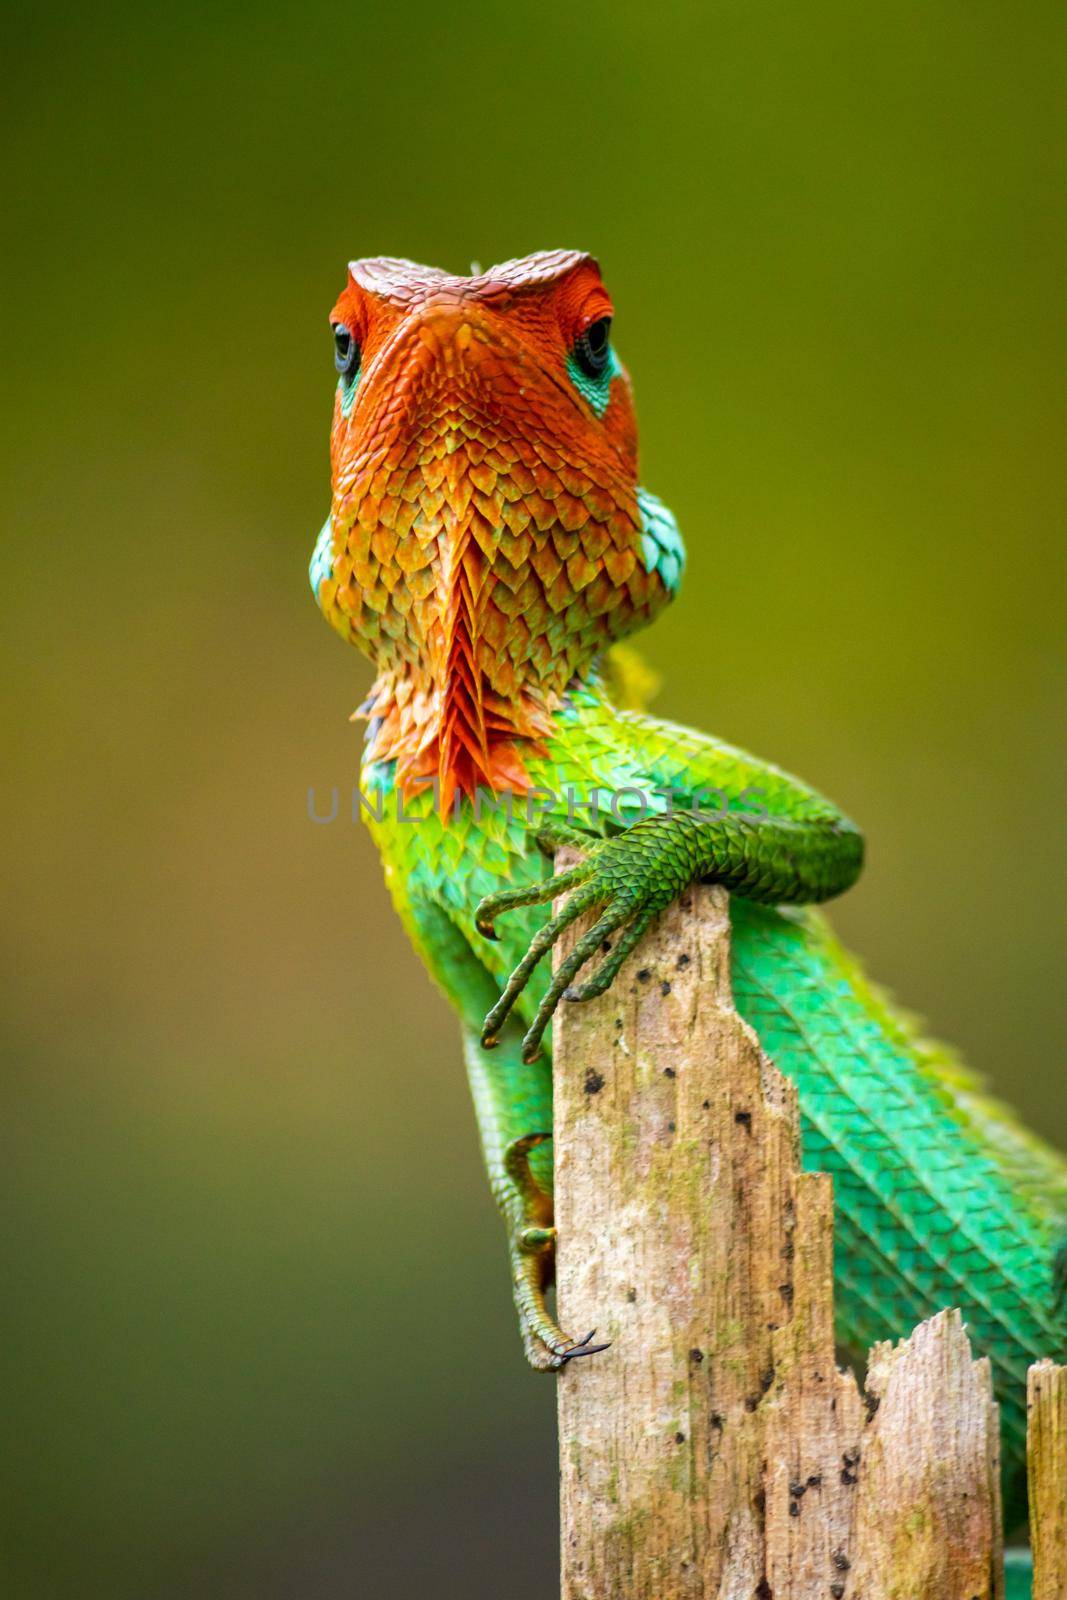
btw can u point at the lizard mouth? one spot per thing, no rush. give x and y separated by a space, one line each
485 548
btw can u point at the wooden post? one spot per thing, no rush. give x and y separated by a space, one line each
928 1518
1046 1404
715 1450
675 1155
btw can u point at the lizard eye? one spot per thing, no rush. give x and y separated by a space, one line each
346 353
592 348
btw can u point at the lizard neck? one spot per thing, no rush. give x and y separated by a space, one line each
481 612
458 730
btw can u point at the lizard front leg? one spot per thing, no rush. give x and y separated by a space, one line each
790 847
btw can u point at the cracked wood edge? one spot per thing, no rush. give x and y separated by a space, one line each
928 1516
814 1421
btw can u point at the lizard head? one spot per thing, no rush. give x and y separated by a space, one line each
485 535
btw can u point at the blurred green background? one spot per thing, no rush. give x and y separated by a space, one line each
258 1339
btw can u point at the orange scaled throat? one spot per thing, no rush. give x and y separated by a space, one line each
485 525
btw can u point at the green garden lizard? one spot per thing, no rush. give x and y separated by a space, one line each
488 545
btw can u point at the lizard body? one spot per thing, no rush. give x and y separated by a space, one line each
488 543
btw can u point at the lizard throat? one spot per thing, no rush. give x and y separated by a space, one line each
481 563
464 708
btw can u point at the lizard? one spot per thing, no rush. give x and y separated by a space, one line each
489 547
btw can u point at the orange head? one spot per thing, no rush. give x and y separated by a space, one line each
484 541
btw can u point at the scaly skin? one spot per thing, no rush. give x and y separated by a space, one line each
487 545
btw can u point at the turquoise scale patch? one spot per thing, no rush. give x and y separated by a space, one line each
662 549
321 558
348 392
597 391
379 777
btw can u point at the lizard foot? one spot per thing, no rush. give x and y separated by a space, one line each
532 1249
630 878
546 1345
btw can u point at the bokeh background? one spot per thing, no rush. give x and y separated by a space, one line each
257 1333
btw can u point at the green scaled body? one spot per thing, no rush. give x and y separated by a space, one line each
941 1199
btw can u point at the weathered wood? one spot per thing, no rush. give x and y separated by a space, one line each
1046 1456
675 1161
928 1511
712 1450
813 1418
716 1451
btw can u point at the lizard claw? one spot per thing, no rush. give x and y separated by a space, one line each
582 1347
494 905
